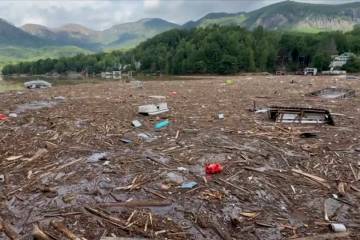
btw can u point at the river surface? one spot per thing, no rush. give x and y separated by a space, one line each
17 84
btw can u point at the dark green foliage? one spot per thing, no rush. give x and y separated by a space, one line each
322 61
214 50
289 16
353 65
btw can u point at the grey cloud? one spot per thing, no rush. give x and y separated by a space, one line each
102 14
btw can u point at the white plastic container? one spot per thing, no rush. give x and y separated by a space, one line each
338 227
153 109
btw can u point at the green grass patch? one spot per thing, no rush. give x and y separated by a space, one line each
224 21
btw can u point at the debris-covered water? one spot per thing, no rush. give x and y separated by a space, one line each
75 166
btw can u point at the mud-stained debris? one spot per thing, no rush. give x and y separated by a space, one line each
172 177
333 93
35 105
136 123
60 98
74 166
338 227
352 77
153 109
95 157
300 115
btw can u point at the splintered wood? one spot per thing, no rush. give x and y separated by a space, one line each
77 168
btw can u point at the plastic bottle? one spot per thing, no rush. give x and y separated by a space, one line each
162 124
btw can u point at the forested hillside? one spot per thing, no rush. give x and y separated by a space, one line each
32 42
289 16
214 50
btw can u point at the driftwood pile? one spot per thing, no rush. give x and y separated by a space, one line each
76 168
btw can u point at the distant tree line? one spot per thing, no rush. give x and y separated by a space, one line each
213 50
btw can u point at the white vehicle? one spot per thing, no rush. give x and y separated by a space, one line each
310 71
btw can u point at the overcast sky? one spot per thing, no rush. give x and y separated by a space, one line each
102 14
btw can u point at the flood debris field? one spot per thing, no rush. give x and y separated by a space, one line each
73 166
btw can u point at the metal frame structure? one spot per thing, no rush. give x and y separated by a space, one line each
333 93
300 115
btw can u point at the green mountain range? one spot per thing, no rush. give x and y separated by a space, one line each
118 36
290 16
31 41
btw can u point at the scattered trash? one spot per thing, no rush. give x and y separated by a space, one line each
182 169
37 84
333 93
2 178
352 77
300 115
137 84
122 238
12 158
259 163
68 198
136 123
174 178
173 93
13 115
249 214
3 117
341 188
153 109
308 135
265 110
60 98
334 72
338 227
124 140
157 97
144 136
213 168
229 82
317 179
35 105
165 187
162 124
97 157
188 185
221 116
39 154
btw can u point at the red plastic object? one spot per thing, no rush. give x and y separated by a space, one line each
3 117
213 168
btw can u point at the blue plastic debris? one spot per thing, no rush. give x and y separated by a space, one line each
188 185
162 124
